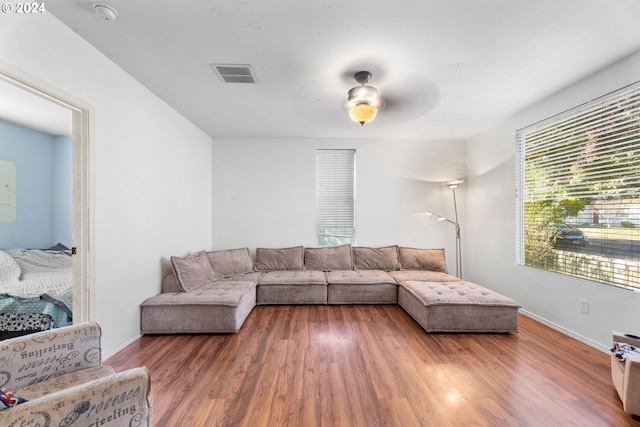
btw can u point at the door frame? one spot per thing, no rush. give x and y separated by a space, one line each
82 116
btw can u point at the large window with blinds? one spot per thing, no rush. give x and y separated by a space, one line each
335 197
578 204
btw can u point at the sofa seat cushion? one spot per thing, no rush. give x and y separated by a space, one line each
422 276
292 287
227 292
455 293
215 307
361 287
64 381
252 276
359 277
458 307
290 277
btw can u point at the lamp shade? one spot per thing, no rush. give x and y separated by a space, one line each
362 113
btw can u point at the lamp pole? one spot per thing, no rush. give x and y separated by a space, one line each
453 185
458 252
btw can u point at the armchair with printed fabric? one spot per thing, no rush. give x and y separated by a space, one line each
56 377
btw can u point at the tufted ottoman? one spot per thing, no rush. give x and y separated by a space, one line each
457 307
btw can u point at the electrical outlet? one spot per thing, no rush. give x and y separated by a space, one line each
584 306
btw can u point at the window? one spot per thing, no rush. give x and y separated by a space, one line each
578 205
335 197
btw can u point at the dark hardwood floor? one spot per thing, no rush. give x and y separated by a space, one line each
373 366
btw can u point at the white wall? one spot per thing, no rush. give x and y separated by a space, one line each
264 192
551 298
152 168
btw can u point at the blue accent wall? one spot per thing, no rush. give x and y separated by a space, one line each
44 192
62 191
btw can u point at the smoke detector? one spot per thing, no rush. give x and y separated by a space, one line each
105 12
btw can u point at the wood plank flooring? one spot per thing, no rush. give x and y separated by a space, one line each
373 366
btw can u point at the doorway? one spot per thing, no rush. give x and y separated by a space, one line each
82 223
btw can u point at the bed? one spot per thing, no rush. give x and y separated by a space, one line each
36 290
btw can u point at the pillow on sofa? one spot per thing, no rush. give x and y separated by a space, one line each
423 259
170 284
192 271
230 262
328 258
279 259
385 258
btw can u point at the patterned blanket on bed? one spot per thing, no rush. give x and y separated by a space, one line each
35 273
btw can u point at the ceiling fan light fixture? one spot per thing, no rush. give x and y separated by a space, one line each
364 94
362 113
363 100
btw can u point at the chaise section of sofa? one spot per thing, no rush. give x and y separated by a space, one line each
458 307
209 292
440 302
219 307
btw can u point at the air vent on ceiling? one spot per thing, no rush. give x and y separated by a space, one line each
235 73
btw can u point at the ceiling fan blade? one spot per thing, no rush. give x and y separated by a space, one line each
408 100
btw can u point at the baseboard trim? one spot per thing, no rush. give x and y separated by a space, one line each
530 315
112 352
566 331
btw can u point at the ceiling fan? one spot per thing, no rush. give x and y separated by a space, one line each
402 97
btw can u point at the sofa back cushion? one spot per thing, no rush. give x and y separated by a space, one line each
279 259
229 262
423 259
170 284
385 258
192 271
328 258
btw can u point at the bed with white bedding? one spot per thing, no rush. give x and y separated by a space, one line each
37 282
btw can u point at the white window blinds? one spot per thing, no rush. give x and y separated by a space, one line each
335 196
579 191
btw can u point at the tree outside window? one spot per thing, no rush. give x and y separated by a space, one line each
579 191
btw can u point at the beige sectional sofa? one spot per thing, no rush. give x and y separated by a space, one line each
214 292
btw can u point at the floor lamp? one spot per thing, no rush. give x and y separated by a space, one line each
453 185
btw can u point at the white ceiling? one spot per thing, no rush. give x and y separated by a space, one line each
448 69
25 109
